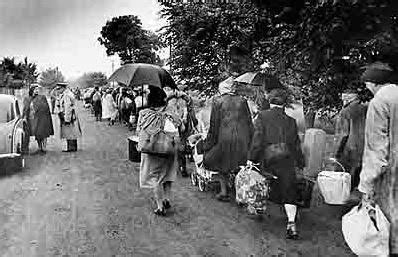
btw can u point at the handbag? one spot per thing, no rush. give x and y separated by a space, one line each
159 143
276 152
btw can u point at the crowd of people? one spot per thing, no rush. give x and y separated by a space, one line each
240 130
239 134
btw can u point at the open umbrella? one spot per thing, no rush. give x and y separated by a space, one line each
143 74
260 78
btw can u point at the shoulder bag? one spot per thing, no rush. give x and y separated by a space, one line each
159 143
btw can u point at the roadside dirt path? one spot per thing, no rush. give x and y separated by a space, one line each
89 204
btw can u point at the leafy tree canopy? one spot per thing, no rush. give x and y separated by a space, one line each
316 46
50 77
125 36
11 70
92 79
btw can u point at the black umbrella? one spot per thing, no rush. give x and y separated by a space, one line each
260 78
136 74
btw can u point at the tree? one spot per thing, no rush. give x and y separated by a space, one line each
317 46
125 36
50 77
92 79
24 71
202 38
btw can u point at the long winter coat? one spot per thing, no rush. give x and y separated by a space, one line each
228 140
109 107
274 126
155 169
380 159
39 117
70 128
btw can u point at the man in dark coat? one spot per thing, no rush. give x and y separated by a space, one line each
351 128
228 140
276 145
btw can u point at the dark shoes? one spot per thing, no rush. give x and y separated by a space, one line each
223 198
166 204
162 211
291 231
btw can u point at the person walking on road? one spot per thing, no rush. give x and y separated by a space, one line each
379 176
70 124
181 105
97 104
109 107
38 115
229 137
351 128
276 145
157 172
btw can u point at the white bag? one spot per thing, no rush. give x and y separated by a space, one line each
169 127
363 236
335 186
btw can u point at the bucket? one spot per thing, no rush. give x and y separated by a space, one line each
335 186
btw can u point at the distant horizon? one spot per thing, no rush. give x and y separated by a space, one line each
31 28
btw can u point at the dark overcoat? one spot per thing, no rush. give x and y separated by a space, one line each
273 126
40 121
351 127
229 137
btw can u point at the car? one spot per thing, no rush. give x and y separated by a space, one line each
13 129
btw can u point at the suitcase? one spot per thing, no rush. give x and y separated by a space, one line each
11 163
134 154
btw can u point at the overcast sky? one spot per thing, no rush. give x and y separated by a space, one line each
64 33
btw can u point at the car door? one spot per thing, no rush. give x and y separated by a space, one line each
19 131
7 123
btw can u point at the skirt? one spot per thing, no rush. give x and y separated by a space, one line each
156 170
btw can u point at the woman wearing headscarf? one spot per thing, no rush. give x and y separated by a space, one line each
276 145
109 107
156 171
39 118
229 137
70 124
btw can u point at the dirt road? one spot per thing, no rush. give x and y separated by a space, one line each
89 204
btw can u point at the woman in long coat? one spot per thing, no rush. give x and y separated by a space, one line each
70 124
229 137
157 172
39 118
275 130
109 107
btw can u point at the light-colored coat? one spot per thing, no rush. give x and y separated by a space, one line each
380 159
109 107
72 130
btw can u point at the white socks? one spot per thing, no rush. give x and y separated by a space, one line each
291 211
